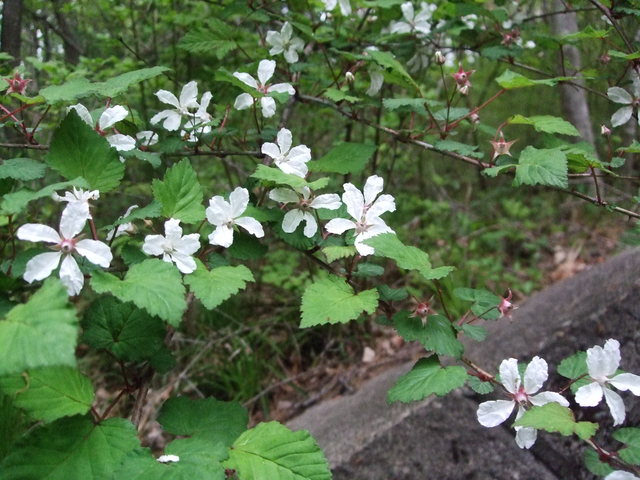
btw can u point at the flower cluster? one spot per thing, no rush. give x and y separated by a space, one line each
266 68
185 108
105 125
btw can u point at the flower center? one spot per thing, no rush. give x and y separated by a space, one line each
521 396
67 245
263 88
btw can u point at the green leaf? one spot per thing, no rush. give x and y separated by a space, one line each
336 252
13 423
69 91
24 169
510 80
78 151
426 377
574 366
553 417
215 286
546 124
278 177
410 258
345 158
121 83
207 41
485 303
594 464
389 294
270 451
475 332
206 418
435 335
416 105
624 56
339 95
331 300
153 285
49 393
457 147
128 332
71 448
388 61
542 167
631 437
246 247
180 194
15 202
478 386
39 333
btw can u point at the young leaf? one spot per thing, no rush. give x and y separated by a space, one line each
436 335
553 417
153 285
78 151
542 167
345 158
332 300
73 447
180 194
207 418
24 169
212 287
39 333
478 386
426 378
49 393
631 437
546 124
270 451
574 366
336 252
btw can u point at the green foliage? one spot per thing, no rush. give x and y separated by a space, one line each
553 417
278 177
270 451
335 252
180 194
24 169
153 285
542 167
39 333
15 202
546 124
594 464
427 377
208 42
457 147
345 158
436 335
78 151
331 300
485 303
631 437
215 286
478 386
510 80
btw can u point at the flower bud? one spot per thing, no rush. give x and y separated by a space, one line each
605 131
440 59
464 89
349 77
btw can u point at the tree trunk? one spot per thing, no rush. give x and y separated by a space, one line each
12 29
72 50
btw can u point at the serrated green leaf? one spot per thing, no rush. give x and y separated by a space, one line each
153 210
69 91
574 366
368 270
153 158
475 332
246 247
153 285
594 464
212 287
78 151
623 55
426 377
416 105
278 177
71 448
542 167
345 158
478 386
336 252
331 300
270 451
338 95
553 417
495 171
206 41
450 114
39 333
461 148
180 193
387 60
410 258
587 33
15 202
206 418
49 393
389 294
435 335
485 303
546 124
127 331
510 80
121 83
630 436
24 169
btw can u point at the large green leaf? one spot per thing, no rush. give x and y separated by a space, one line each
78 151
427 377
215 286
180 193
435 335
71 448
15 202
345 158
542 167
127 331
553 417
39 333
631 437
207 418
331 300
270 451
69 91
546 124
22 169
49 393
153 285
410 258
121 83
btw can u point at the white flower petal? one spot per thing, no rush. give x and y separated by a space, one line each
238 199
282 88
495 412
268 105
168 458
167 97
246 79
407 11
338 226
41 266
622 116
535 375
616 406
271 149
283 195
543 398
509 375
223 236
153 245
111 116
189 95
35 232
172 229
384 203
619 95
265 70
620 475
330 201
71 276
300 153
251 225
73 219
122 143
284 139
218 211
363 250
185 263
290 55
243 101
95 251
372 188
377 80
311 226
299 169
345 7
526 436
353 199
603 362
189 244
82 112
627 381
589 395
291 220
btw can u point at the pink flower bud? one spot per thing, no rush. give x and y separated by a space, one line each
17 84
605 131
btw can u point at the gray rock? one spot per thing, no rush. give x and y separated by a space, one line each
366 439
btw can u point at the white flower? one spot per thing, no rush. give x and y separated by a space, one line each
621 475
305 202
289 160
123 228
345 6
224 215
107 120
168 458
174 247
365 210
284 42
66 244
377 79
265 72
493 413
602 363
619 95
197 124
77 203
186 106
414 22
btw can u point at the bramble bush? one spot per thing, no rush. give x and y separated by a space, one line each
118 230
